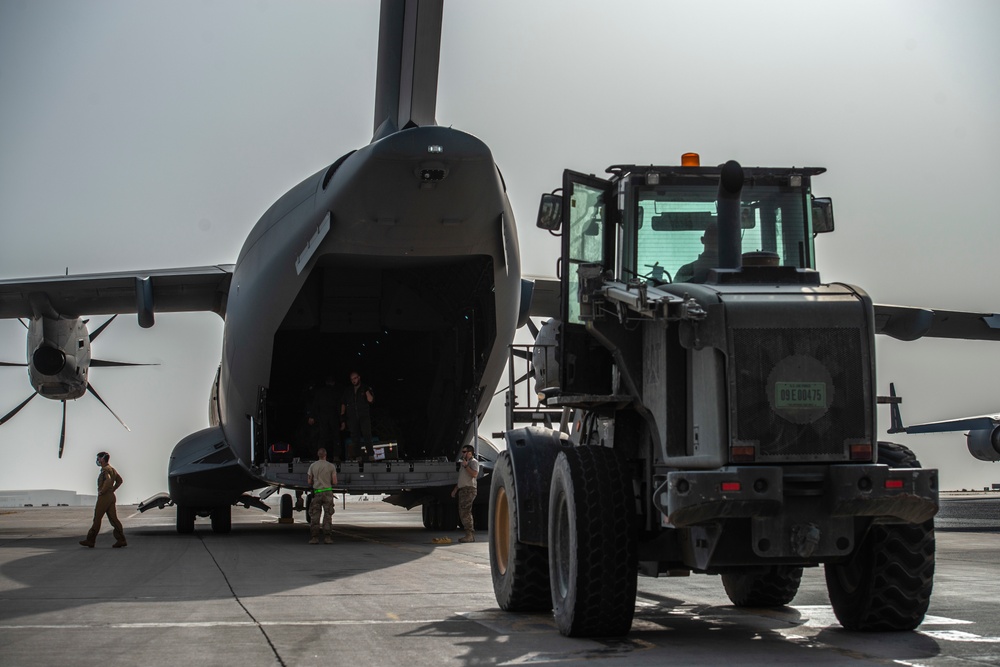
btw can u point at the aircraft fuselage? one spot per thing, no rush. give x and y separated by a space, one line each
399 261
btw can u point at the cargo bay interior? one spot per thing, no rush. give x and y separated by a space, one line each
418 330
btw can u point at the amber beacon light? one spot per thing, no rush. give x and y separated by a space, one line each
690 160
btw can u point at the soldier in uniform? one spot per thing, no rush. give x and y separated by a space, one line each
356 413
322 477
107 483
465 489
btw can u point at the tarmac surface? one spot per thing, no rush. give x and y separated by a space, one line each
384 594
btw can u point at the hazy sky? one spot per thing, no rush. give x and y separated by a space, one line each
142 135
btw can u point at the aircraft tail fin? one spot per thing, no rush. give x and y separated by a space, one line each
895 420
409 49
982 422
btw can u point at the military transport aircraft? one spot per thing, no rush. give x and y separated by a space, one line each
406 245
983 437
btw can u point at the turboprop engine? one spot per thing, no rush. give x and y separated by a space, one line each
59 362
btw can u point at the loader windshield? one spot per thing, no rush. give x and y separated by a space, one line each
677 229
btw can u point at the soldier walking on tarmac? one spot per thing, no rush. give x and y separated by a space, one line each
322 477
107 483
466 491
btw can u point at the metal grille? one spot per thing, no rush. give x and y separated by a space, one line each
840 351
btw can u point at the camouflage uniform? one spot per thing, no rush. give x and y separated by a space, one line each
466 492
324 476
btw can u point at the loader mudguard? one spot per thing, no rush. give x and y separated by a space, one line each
533 452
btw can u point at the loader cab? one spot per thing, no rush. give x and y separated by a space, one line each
657 225
670 221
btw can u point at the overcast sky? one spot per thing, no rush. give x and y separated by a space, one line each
142 135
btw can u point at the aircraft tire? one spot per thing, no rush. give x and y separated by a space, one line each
434 514
449 516
774 586
222 520
185 519
285 511
425 514
886 585
520 571
481 516
593 543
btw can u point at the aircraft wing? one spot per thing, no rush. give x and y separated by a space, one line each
964 424
909 323
203 288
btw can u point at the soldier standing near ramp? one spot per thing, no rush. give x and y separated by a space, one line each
465 489
356 411
107 483
322 477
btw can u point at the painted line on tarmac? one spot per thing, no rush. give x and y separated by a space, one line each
822 616
223 624
959 636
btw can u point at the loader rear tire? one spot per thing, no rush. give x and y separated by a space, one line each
520 571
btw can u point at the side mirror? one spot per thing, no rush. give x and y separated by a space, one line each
822 210
550 212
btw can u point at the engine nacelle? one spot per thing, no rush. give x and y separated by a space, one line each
984 444
58 357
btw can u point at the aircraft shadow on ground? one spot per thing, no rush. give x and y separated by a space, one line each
255 559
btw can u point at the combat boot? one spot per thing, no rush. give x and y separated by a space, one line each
87 543
119 544
469 537
327 540
314 540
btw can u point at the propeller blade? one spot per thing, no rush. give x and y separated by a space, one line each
520 353
532 328
3 420
517 381
10 363
97 332
102 363
62 434
90 388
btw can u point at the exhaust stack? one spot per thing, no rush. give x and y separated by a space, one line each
730 187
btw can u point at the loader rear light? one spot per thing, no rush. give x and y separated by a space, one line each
742 454
861 452
893 483
690 160
730 487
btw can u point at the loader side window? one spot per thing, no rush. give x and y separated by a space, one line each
586 231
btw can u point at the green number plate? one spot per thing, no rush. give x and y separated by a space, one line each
800 395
